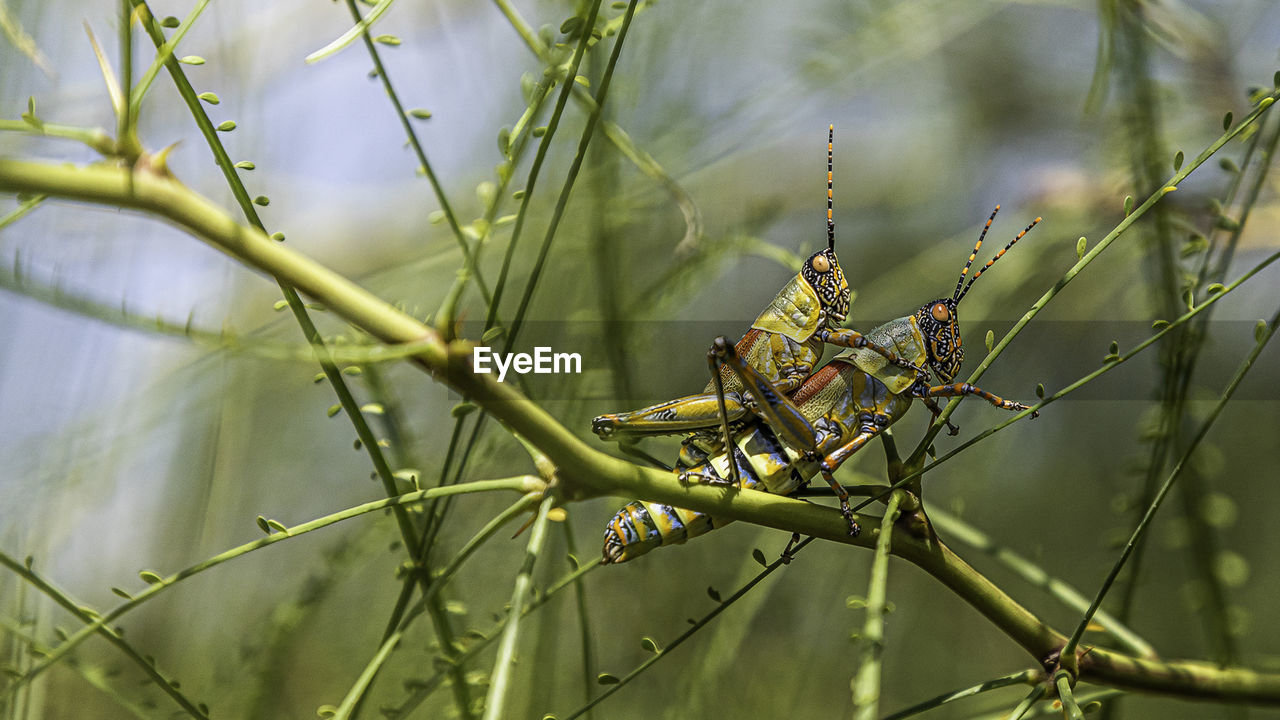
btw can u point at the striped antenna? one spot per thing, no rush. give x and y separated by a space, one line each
960 283
993 260
831 224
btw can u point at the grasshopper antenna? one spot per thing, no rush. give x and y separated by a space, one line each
831 224
960 289
960 294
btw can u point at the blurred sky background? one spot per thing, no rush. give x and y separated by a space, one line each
123 449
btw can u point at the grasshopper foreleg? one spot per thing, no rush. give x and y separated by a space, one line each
960 389
855 340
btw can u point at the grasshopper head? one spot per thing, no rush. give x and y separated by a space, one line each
938 320
822 271
941 329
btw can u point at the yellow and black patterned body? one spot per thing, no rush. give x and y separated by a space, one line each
784 345
842 404
793 436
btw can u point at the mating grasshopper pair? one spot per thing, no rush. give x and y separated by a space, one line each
783 424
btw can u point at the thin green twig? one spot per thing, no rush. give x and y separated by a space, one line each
1088 703
96 138
500 677
694 628
163 54
1070 709
567 82
866 684
113 635
956 529
1032 698
360 28
1068 651
521 483
1031 676
587 637
24 208
572 175
126 121
643 161
468 256
423 689
361 686
93 676
1169 186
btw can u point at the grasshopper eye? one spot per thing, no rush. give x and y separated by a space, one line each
941 313
820 263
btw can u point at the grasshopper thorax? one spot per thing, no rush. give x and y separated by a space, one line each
938 320
822 272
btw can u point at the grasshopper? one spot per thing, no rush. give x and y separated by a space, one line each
783 346
833 414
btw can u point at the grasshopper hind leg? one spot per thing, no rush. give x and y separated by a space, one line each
688 414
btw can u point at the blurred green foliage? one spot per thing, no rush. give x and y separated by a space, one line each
127 450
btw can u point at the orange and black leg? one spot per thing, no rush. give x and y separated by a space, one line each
934 408
855 340
959 389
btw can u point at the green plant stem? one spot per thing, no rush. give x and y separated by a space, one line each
500 678
584 619
1108 367
392 639
1032 698
420 547
585 470
360 28
1070 709
423 690
24 208
491 319
125 118
90 675
309 331
113 635
163 54
693 629
572 175
567 83
95 138
468 257
522 483
643 161
956 529
866 684
1022 677
1048 710
1084 261
1069 649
